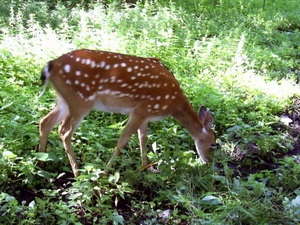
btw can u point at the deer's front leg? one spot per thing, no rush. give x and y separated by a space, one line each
142 133
133 124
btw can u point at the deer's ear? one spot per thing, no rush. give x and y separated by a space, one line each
202 112
206 118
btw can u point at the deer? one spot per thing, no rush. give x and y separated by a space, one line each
142 88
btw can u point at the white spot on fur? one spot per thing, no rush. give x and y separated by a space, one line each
156 106
165 107
113 79
93 64
80 94
102 64
67 68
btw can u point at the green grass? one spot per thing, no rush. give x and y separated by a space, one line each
236 58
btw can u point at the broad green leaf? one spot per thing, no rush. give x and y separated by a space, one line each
42 156
212 200
9 155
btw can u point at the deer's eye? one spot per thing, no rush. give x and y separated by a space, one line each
214 146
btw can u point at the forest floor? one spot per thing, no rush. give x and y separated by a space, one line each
290 124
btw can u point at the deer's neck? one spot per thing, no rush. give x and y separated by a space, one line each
188 118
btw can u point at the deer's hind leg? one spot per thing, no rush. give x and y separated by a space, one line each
57 115
66 130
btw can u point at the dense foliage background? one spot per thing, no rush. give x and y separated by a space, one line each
238 58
